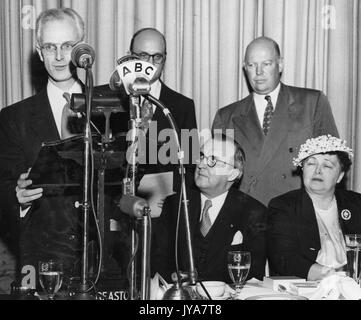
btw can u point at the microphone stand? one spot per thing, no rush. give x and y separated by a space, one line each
129 185
177 291
84 290
145 262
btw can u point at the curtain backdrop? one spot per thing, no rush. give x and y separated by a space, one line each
206 40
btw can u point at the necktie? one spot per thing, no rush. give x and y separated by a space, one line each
267 115
206 223
146 112
65 131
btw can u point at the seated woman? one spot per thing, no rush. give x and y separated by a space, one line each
306 227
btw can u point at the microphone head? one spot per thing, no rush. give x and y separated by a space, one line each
115 82
132 205
83 55
134 75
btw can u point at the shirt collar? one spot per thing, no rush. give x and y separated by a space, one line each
155 89
260 98
54 91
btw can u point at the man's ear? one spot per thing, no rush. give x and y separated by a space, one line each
40 53
280 64
235 173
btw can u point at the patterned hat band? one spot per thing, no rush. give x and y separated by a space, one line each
321 144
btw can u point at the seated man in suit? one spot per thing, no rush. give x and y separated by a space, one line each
221 218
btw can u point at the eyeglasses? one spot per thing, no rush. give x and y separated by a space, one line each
157 57
51 48
211 160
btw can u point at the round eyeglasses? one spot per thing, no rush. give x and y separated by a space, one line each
211 160
157 57
51 48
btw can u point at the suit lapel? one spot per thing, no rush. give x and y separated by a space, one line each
278 128
42 119
307 219
225 221
347 219
247 125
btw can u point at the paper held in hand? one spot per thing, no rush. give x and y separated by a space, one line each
155 188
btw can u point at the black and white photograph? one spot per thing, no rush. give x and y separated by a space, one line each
189 150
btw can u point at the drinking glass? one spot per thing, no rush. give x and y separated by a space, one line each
353 247
50 277
239 263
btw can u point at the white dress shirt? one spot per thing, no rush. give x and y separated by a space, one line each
57 101
261 103
155 89
217 204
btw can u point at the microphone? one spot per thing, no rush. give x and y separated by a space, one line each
134 75
133 205
83 55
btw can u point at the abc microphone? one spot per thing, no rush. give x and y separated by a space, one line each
133 206
83 56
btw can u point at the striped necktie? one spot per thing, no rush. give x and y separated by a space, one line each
206 223
65 131
268 113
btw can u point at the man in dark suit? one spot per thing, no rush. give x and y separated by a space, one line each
272 122
149 45
48 222
221 218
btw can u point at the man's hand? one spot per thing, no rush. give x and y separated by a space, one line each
26 196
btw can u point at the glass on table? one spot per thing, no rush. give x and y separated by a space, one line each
51 277
353 247
239 263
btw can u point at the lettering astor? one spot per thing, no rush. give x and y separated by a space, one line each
187 310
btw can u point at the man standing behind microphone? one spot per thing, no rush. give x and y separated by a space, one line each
49 223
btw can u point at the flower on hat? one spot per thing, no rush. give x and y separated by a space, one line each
321 144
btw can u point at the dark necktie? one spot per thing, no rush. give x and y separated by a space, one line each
268 113
206 223
146 112
65 132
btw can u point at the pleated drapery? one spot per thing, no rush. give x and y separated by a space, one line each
206 41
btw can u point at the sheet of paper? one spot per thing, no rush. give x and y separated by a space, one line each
155 188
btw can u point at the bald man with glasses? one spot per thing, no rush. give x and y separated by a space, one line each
222 218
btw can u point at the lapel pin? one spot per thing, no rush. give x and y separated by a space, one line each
346 214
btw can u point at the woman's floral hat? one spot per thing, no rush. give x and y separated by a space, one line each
321 144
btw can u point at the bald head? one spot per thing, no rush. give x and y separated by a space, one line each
261 43
263 65
149 42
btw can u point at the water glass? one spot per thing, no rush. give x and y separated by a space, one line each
353 247
239 263
51 277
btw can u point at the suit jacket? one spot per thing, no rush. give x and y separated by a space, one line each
183 111
300 114
293 239
51 226
239 212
